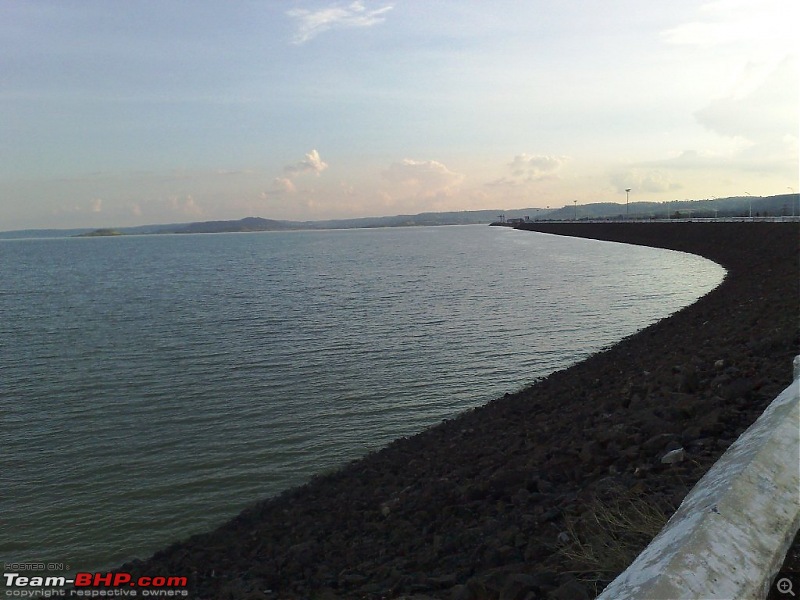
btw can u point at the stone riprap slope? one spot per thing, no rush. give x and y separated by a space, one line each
491 504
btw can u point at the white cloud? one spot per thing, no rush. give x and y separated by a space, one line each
691 160
185 206
424 178
704 34
284 185
93 206
534 167
643 180
768 25
761 108
311 23
231 172
502 182
312 163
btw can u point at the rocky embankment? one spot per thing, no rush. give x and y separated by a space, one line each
505 501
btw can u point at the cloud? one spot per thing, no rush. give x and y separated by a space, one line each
535 167
284 185
425 178
692 160
502 182
699 33
311 23
230 172
766 26
762 108
185 206
643 180
758 118
93 206
312 163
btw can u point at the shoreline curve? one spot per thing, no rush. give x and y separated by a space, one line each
480 505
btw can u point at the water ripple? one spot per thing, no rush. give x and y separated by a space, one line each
154 386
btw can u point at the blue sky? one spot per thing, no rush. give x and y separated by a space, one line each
120 113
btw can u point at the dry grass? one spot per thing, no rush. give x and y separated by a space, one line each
612 531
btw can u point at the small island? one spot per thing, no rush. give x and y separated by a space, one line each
100 233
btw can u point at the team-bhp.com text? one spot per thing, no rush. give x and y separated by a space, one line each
94 585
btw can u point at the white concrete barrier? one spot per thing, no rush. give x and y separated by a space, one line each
730 535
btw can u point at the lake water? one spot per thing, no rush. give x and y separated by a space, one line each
151 387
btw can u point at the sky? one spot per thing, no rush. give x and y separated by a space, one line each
121 113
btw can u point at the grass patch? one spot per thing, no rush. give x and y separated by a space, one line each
610 533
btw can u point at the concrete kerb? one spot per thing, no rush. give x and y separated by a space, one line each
730 535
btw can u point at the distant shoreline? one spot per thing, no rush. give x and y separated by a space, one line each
786 205
478 504
100 233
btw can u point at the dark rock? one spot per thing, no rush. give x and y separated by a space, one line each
461 592
688 381
551 515
570 590
443 581
519 586
521 497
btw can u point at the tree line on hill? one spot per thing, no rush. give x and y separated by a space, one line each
783 205
738 206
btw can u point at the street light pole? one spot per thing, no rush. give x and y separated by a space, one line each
576 209
627 191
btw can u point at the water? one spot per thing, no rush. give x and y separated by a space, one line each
151 387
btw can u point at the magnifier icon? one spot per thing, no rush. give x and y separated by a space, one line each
784 586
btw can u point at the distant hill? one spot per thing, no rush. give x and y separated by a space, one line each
80 232
242 225
100 233
22 234
737 206
260 224
468 217
473 217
